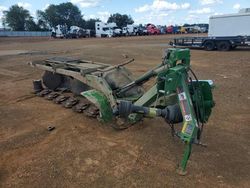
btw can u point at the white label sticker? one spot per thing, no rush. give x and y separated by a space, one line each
189 129
182 96
188 117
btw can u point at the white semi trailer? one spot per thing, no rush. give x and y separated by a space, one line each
225 32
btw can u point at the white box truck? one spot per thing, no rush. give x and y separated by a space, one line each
107 29
225 32
230 25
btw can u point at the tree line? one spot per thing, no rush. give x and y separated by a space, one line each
20 19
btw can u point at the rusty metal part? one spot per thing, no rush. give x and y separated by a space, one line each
80 107
91 111
44 93
52 96
70 102
60 99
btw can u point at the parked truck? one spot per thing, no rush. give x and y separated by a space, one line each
130 30
193 29
62 31
182 30
152 29
142 30
226 32
172 29
76 32
107 29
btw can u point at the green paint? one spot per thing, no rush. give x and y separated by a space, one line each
102 102
148 98
203 99
176 56
185 158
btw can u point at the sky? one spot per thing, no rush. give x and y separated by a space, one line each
159 12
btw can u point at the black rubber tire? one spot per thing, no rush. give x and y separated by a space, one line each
52 80
209 45
223 46
233 47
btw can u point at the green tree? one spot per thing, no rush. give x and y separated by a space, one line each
30 25
90 24
120 20
64 13
16 18
42 21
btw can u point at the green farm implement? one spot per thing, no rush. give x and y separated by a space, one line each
111 94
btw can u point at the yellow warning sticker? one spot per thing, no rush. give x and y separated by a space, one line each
184 127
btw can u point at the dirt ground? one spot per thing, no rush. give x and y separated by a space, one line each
82 152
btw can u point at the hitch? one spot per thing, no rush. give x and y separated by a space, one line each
192 105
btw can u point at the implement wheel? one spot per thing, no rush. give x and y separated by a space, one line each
209 45
52 80
223 46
